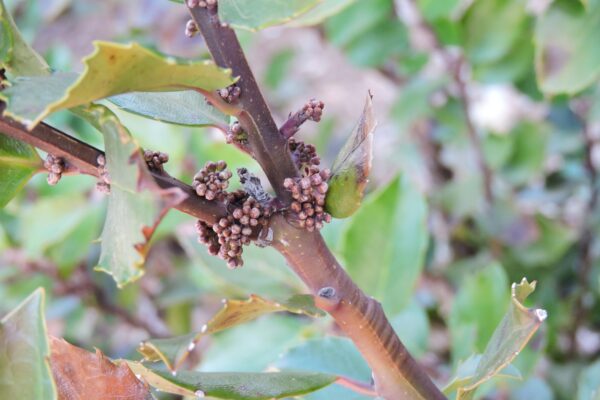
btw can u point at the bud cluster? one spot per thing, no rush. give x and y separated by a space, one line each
230 94
308 192
212 180
227 237
155 159
304 155
313 110
55 167
210 4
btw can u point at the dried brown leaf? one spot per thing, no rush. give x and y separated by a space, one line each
81 375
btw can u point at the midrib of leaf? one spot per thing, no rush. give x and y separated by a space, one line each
17 161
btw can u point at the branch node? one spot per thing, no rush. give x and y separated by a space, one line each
231 94
327 299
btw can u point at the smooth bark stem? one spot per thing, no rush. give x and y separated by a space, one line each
397 374
84 158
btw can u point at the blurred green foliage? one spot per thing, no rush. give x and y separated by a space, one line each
522 76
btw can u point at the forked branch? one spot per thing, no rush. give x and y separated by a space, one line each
397 375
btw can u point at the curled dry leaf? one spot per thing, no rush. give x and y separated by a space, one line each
81 375
351 168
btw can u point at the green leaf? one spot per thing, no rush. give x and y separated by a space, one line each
356 20
515 330
136 204
330 355
182 108
110 70
49 220
434 9
589 383
18 163
478 306
552 242
491 28
16 56
567 55
260 14
235 385
467 370
351 168
24 368
368 32
384 246
321 12
174 351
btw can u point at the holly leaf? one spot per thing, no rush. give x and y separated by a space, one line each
18 163
351 168
110 70
80 375
235 385
567 56
136 204
173 351
515 330
182 108
16 56
24 369
260 14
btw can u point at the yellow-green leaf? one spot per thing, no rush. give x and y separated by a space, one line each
173 351
351 168
110 70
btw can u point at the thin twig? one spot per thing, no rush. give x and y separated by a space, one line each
586 261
